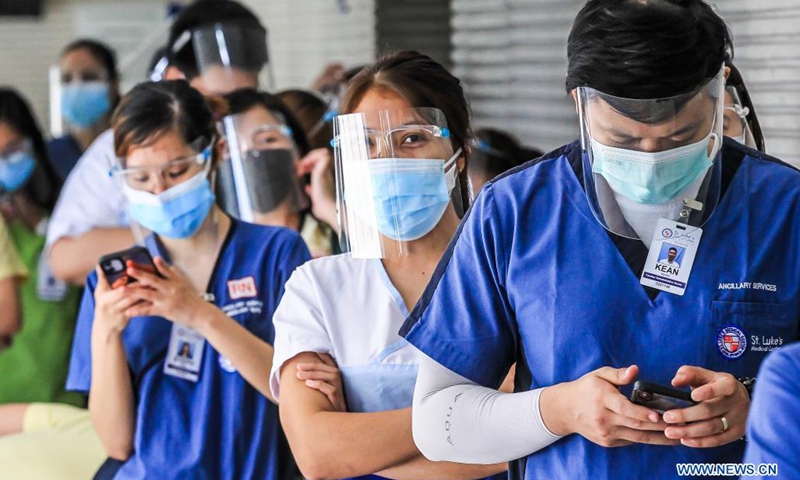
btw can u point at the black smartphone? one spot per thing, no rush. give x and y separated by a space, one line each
114 265
659 397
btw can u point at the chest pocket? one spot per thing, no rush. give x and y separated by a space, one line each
741 334
379 386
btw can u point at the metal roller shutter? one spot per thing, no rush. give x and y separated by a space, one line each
511 55
767 43
422 25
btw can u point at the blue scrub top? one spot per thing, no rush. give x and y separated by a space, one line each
219 427
63 152
774 422
533 278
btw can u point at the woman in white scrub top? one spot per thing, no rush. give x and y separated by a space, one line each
401 179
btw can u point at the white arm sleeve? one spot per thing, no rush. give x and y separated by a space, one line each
457 420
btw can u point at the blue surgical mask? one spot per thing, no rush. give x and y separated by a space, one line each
651 178
175 213
15 169
83 104
410 195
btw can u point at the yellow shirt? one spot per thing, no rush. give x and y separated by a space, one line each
10 263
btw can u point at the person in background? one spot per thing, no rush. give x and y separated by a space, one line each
89 220
34 367
412 181
741 121
316 118
89 93
274 152
12 273
775 414
493 152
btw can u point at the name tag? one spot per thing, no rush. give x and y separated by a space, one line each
185 353
48 287
671 257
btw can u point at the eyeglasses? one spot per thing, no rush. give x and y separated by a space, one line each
400 140
173 173
11 152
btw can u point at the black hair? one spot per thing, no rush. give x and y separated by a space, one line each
44 186
673 248
240 101
310 110
201 13
736 81
100 51
422 82
495 152
153 109
646 49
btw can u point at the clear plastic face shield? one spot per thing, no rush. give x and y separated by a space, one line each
735 119
651 157
395 174
232 55
258 175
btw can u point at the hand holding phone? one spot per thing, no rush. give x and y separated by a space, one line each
115 265
659 397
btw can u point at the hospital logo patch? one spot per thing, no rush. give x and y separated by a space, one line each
244 288
666 233
731 342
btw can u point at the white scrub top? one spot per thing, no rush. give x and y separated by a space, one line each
90 199
346 307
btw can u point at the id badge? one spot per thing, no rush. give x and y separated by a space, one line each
48 287
671 257
185 353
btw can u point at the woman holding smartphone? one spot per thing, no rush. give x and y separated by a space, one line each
213 285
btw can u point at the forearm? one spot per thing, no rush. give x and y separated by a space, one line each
71 259
10 311
251 356
363 443
111 395
331 444
420 468
459 421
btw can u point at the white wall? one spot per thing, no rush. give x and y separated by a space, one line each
304 36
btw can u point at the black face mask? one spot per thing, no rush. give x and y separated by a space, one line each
271 176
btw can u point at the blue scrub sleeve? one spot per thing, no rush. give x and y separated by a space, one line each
464 320
774 421
79 377
291 254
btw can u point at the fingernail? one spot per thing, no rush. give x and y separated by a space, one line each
668 417
653 417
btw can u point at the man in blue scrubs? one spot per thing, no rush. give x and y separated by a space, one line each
555 269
